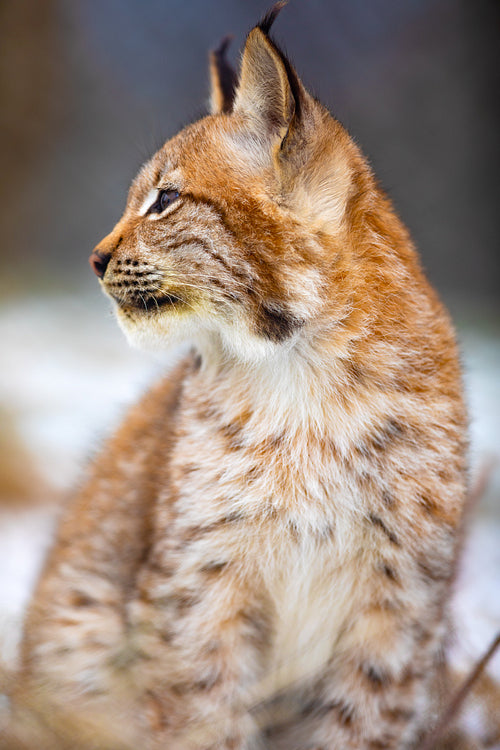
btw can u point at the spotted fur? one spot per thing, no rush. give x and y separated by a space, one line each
262 555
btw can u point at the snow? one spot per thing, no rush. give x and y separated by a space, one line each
24 538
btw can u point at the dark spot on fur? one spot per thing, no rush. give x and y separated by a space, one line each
355 373
214 567
344 712
377 521
197 686
278 728
428 504
193 533
190 468
167 636
181 601
435 571
330 449
295 530
79 599
326 532
252 474
276 323
380 744
378 678
446 475
231 743
384 605
120 240
398 714
277 439
232 434
312 706
410 675
185 601
212 647
389 572
422 635
256 626
376 443
388 499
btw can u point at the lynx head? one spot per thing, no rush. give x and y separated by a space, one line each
232 230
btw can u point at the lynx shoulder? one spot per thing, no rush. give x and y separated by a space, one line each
263 553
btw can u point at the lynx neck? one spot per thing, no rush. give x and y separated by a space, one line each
293 389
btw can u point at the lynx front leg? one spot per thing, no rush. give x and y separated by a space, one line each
199 635
367 710
76 627
380 691
76 623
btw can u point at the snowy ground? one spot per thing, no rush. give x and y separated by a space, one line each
68 374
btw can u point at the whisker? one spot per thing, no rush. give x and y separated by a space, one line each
217 297
207 245
236 287
156 302
161 289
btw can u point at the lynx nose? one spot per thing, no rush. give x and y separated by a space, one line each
99 262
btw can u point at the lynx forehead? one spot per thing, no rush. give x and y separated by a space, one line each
262 555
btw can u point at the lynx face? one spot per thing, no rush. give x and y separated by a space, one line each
216 236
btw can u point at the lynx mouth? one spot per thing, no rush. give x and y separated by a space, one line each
166 300
145 303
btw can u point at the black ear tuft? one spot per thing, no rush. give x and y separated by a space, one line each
220 51
265 26
223 77
270 17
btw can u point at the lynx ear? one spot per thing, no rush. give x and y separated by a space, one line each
269 90
223 79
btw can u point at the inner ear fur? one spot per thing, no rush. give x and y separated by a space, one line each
265 91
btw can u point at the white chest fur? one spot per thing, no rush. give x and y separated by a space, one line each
312 590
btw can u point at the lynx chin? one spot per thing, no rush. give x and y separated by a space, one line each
262 555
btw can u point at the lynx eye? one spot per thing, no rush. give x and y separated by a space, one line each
164 199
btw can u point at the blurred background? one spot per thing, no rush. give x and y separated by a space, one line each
90 88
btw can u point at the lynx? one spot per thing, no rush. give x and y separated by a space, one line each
262 554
